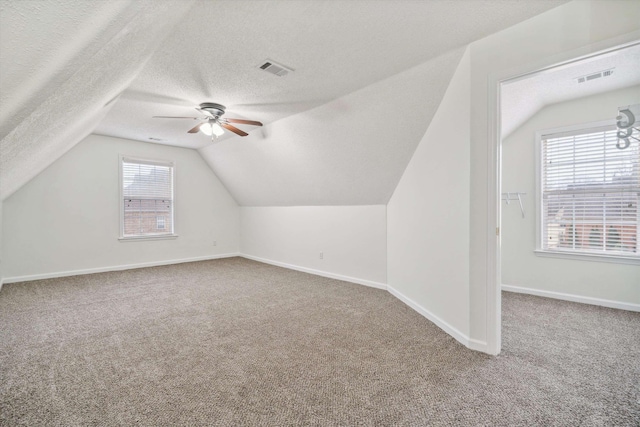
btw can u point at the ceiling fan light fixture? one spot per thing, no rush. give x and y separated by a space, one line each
206 129
216 129
211 129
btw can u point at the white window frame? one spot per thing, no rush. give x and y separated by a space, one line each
539 251
143 237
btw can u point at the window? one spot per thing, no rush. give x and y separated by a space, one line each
147 198
589 193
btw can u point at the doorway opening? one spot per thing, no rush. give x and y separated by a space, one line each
568 165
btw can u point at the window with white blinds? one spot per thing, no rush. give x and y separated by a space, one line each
589 193
147 198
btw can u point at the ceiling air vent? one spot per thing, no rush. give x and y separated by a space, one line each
274 68
593 76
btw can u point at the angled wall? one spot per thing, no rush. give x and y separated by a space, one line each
428 216
329 173
566 32
66 219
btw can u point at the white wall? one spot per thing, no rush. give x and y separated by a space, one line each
67 218
352 239
428 215
574 29
1 254
520 266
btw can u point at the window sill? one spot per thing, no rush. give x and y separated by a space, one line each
616 259
148 237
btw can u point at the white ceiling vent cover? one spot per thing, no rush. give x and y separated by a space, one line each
593 76
274 68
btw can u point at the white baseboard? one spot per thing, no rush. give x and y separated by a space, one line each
446 327
112 268
364 282
481 346
454 332
459 336
574 298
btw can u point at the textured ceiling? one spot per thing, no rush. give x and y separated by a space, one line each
62 61
335 47
523 98
350 151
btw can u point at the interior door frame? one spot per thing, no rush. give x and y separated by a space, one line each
494 164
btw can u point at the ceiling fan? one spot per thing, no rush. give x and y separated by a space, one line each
213 122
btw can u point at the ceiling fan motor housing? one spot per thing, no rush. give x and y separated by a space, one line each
216 110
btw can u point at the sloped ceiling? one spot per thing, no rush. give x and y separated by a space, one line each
521 99
62 62
352 150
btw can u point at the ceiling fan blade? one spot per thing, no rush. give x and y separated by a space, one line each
233 129
173 117
243 122
195 129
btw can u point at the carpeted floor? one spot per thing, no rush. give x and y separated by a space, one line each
234 342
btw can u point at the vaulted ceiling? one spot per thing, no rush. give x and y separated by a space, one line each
524 97
340 129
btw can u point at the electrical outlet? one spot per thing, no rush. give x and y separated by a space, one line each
321 255
215 243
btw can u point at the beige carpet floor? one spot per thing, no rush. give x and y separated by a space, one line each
234 342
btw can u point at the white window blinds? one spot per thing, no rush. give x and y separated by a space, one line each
147 191
590 193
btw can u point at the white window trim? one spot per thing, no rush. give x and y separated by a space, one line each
616 259
539 251
147 237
